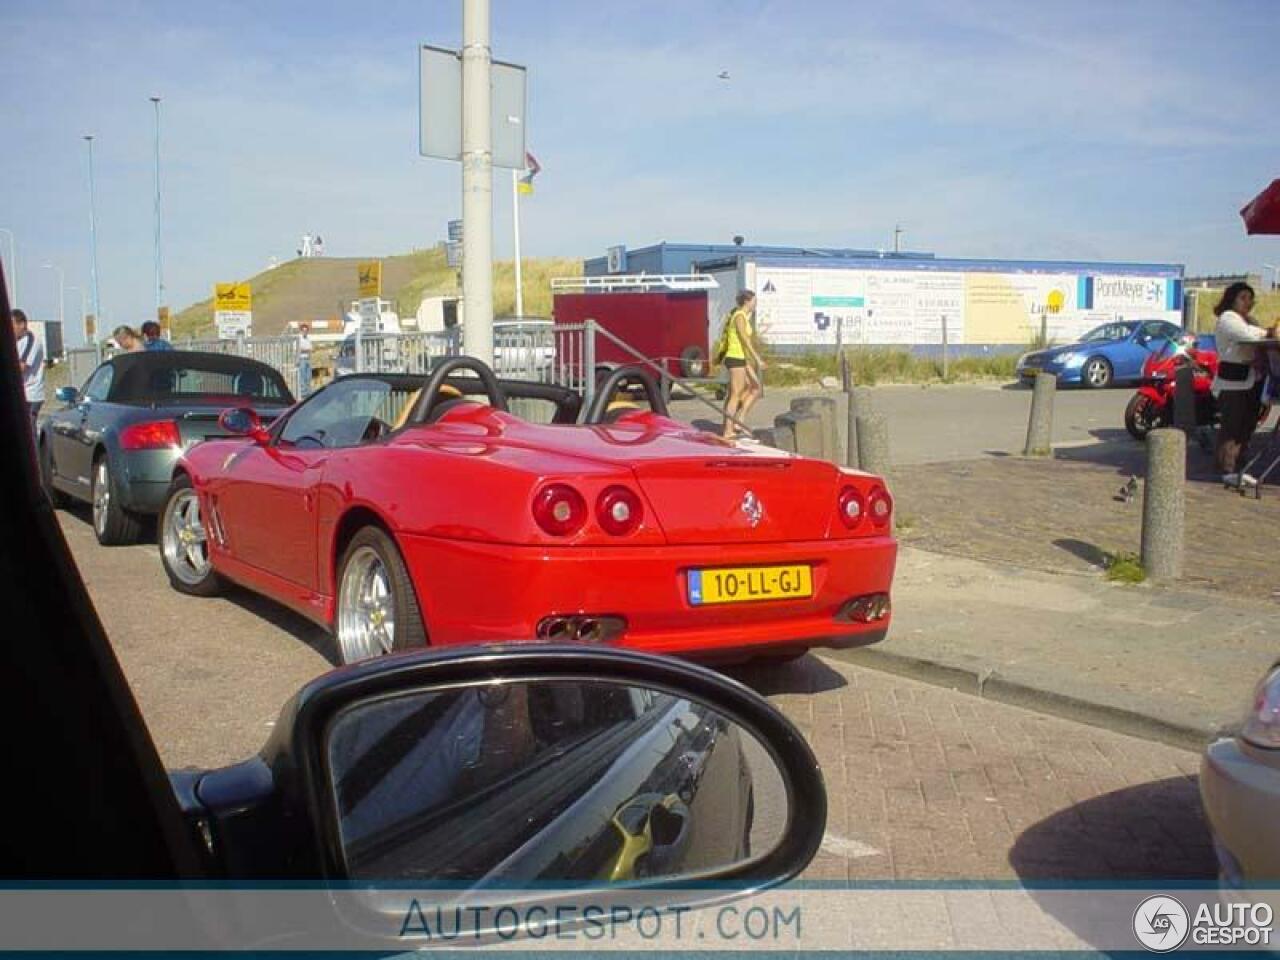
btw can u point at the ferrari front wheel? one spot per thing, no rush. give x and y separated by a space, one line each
377 610
184 542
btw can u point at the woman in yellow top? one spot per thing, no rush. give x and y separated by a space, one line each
743 362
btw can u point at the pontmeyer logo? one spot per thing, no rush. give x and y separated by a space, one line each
1161 923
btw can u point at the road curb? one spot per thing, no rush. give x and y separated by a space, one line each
990 685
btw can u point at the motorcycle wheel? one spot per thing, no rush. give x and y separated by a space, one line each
1142 416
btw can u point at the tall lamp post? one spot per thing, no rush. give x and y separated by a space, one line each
62 295
13 264
477 182
93 237
159 259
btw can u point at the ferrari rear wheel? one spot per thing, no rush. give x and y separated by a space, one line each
377 609
184 542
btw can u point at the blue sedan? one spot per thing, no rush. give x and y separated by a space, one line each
1109 354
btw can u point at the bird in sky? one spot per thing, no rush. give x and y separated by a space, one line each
722 75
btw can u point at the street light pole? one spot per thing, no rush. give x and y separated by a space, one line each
477 183
897 234
93 237
159 263
13 265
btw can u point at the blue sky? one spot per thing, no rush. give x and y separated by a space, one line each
1089 130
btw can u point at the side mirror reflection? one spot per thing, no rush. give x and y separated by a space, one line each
562 780
243 422
67 395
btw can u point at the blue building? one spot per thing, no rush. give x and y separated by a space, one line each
680 258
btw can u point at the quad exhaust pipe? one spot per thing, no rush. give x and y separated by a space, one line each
582 628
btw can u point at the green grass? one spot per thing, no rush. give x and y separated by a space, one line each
1125 568
873 365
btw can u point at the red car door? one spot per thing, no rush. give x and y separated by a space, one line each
267 499
267 505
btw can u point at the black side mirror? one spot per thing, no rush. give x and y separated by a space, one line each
472 773
243 422
66 395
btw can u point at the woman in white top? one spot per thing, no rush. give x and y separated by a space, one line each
1238 385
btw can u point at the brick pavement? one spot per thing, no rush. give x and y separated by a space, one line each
928 784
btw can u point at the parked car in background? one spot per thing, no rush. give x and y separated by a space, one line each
115 440
395 512
1110 354
1240 787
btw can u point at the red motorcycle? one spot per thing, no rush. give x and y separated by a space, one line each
1152 405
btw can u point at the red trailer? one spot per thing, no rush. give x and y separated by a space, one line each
663 318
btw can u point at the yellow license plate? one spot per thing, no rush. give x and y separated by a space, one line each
748 584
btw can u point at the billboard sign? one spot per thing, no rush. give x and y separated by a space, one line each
892 306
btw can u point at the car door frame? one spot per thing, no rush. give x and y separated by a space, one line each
71 439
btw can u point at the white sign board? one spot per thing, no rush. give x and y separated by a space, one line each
440 108
370 316
233 324
807 305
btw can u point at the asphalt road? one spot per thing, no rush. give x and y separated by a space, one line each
958 422
923 783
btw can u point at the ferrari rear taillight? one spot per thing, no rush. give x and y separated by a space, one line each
851 507
880 505
151 435
559 509
619 511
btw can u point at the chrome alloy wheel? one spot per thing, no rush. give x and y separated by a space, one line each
101 496
185 542
366 608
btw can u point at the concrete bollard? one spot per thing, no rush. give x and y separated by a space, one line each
1040 426
1163 504
824 407
807 430
873 444
784 438
850 428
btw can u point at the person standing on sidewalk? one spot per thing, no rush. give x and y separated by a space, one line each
737 350
304 360
31 363
1238 385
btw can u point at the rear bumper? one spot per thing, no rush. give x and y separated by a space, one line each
477 593
143 478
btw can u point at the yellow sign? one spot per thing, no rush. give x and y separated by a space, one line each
90 325
232 296
162 314
370 279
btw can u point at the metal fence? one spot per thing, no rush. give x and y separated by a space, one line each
563 354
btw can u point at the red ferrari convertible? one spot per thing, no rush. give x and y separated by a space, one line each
401 510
